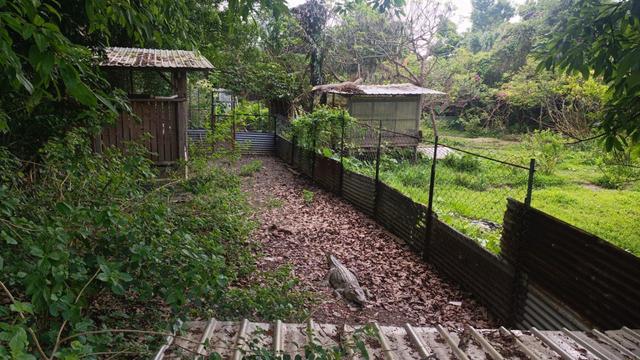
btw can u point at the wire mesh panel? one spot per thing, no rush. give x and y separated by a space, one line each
360 148
471 192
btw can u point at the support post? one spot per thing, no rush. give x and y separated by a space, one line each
293 147
212 122
532 170
377 180
233 129
275 135
313 150
432 183
180 81
341 150
378 152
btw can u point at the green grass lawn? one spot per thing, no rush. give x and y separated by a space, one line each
471 192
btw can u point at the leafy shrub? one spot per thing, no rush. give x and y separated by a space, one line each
463 163
413 176
252 116
469 122
321 128
618 169
608 182
250 168
83 232
472 182
547 147
308 196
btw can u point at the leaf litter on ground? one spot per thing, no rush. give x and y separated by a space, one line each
404 288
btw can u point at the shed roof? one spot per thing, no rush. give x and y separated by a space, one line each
119 57
351 88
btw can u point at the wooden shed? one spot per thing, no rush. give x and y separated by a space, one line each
397 107
162 117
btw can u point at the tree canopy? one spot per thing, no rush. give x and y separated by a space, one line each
600 39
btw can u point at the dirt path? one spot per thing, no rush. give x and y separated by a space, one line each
403 288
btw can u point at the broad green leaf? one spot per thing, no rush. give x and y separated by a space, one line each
22 307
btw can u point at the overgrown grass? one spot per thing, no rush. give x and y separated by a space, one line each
471 193
92 242
574 191
250 168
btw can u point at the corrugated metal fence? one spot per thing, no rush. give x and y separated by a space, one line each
594 278
255 142
551 275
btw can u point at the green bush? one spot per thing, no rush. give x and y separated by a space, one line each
413 176
83 232
472 182
250 168
322 128
547 147
463 163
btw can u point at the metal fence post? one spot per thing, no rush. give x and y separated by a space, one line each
432 183
377 180
341 150
378 152
532 170
313 150
293 147
233 130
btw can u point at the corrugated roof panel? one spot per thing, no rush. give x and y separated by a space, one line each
154 58
385 90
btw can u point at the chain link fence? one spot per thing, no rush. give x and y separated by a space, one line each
465 189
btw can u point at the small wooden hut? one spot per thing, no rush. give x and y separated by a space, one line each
163 117
397 107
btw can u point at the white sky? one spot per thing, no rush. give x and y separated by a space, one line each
461 15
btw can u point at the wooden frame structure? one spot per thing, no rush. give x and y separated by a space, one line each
159 122
395 107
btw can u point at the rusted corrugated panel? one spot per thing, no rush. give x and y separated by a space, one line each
359 190
486 276
542 310
283 149
327 173
304 161
402 216
594 278
373 90
154 58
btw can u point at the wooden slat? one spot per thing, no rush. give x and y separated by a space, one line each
457 352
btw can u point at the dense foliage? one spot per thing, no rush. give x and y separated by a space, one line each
600 39
97 254
92 234
322 129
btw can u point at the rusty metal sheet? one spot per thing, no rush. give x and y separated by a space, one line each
120 57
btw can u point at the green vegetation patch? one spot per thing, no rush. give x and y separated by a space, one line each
93 242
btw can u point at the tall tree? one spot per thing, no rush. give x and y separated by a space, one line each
359 42
487 14
600 39
312 17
